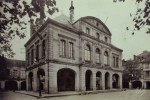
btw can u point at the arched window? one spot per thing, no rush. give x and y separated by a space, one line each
87 52
97 55
62 48
106 58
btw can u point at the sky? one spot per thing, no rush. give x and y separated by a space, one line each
116 17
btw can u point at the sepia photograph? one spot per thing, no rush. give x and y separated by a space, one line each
74 49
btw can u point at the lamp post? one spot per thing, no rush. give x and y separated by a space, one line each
39 80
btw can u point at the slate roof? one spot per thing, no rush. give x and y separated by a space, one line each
63 19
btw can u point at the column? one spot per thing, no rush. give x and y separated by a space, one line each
19 85
35 80
46 79
94 80
27 81
52 80
3 85
103 80
120 80
82 79
145 86
77 84
110 81
130 85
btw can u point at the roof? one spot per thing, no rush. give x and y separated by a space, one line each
54 22
116 48
63 19
91 17
144 53
15 63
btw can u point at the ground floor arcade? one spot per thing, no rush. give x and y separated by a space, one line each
12 85
143 84
72 78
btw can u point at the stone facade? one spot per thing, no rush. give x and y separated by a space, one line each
15 75
65 62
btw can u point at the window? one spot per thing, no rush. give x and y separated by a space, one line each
97 55
71 50
28 58
63 48
43 48
106 40
87 53
114 61
15 74
37 52
97 36
32 56
87 30
117 62
106 58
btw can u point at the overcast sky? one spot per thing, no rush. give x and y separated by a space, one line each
116 16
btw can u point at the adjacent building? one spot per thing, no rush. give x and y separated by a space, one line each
14 75
68 55
138 71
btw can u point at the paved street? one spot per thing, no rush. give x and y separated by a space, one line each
123 95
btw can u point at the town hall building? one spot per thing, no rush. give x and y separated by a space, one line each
68 55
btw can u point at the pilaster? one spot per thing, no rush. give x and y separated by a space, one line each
53 80
82 79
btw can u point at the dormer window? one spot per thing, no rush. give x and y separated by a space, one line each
106 39
87 30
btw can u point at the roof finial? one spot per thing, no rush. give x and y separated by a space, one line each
72 7
71 3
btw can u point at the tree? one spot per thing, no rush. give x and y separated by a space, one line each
131 71
3 65
12 24
141 17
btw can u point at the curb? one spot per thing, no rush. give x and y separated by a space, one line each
78 93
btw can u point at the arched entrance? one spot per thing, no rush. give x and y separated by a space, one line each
66 80
125 84
107 80
88 79
41 75
30 81
137 84
147 85
115 81
11 85
23 85
98 80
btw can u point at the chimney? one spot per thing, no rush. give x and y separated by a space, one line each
71 12
31 26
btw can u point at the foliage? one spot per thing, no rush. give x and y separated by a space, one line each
12 23
141 17
3 65
131 71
